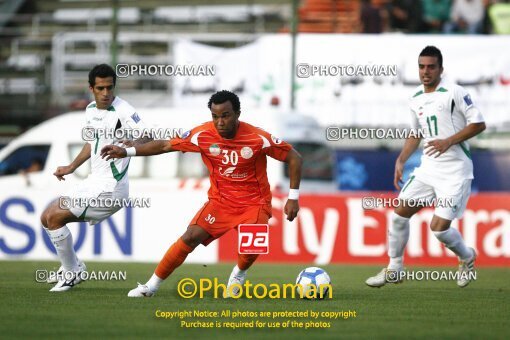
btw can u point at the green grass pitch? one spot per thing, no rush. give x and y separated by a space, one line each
101 309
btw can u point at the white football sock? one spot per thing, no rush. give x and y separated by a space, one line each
453 241
154 282
62 239
236 271
396 263
398 235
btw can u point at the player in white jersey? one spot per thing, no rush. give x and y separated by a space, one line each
449 118
108 180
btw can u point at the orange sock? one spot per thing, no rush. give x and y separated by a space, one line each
173 258
244 261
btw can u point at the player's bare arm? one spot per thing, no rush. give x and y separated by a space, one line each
129 143
75 164
410 146
439 146
143 140
154 147
295 162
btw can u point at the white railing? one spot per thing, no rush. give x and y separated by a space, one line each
201 16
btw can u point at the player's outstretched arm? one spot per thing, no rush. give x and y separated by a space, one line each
154 147
75 164
129 143
295 162
439 146
410 146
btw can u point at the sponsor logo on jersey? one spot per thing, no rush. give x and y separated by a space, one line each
467 100
214 149
242 175
135 117
276 140
186 134
246 152
227 172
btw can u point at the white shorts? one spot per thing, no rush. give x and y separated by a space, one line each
88 190
449 197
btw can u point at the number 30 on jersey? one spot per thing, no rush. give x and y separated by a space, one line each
231 157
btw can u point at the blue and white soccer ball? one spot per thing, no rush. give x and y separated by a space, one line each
313 277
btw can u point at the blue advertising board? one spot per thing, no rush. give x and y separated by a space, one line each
373 169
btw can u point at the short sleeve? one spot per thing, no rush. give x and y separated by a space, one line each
413 120
87 117
273 146
188 141
466 107
131 119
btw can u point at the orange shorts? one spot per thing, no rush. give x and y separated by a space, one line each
217 219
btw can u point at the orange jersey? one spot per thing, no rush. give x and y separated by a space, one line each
237 167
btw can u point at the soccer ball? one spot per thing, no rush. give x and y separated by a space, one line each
311 279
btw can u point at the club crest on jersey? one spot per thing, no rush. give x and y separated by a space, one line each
135 117
276 140
246 152
214 149
186 134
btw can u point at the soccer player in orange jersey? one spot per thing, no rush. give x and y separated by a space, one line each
235 155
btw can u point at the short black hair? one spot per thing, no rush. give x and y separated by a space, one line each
223 96
101 71
433 51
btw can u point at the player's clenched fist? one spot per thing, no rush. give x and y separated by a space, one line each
291 209
62 171
113 151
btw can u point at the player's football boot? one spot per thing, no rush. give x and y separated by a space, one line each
53 276
68 280
233 291
141 291
465 269
385 276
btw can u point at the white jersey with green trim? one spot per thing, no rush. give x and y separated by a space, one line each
441 114
101 126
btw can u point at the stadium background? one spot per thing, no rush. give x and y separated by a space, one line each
48 47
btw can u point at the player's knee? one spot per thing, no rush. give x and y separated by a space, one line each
405 211
434 227
190 240
44 219
53 221
194 235
439 224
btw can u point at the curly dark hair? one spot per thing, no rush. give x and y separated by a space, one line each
101 71
223 96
